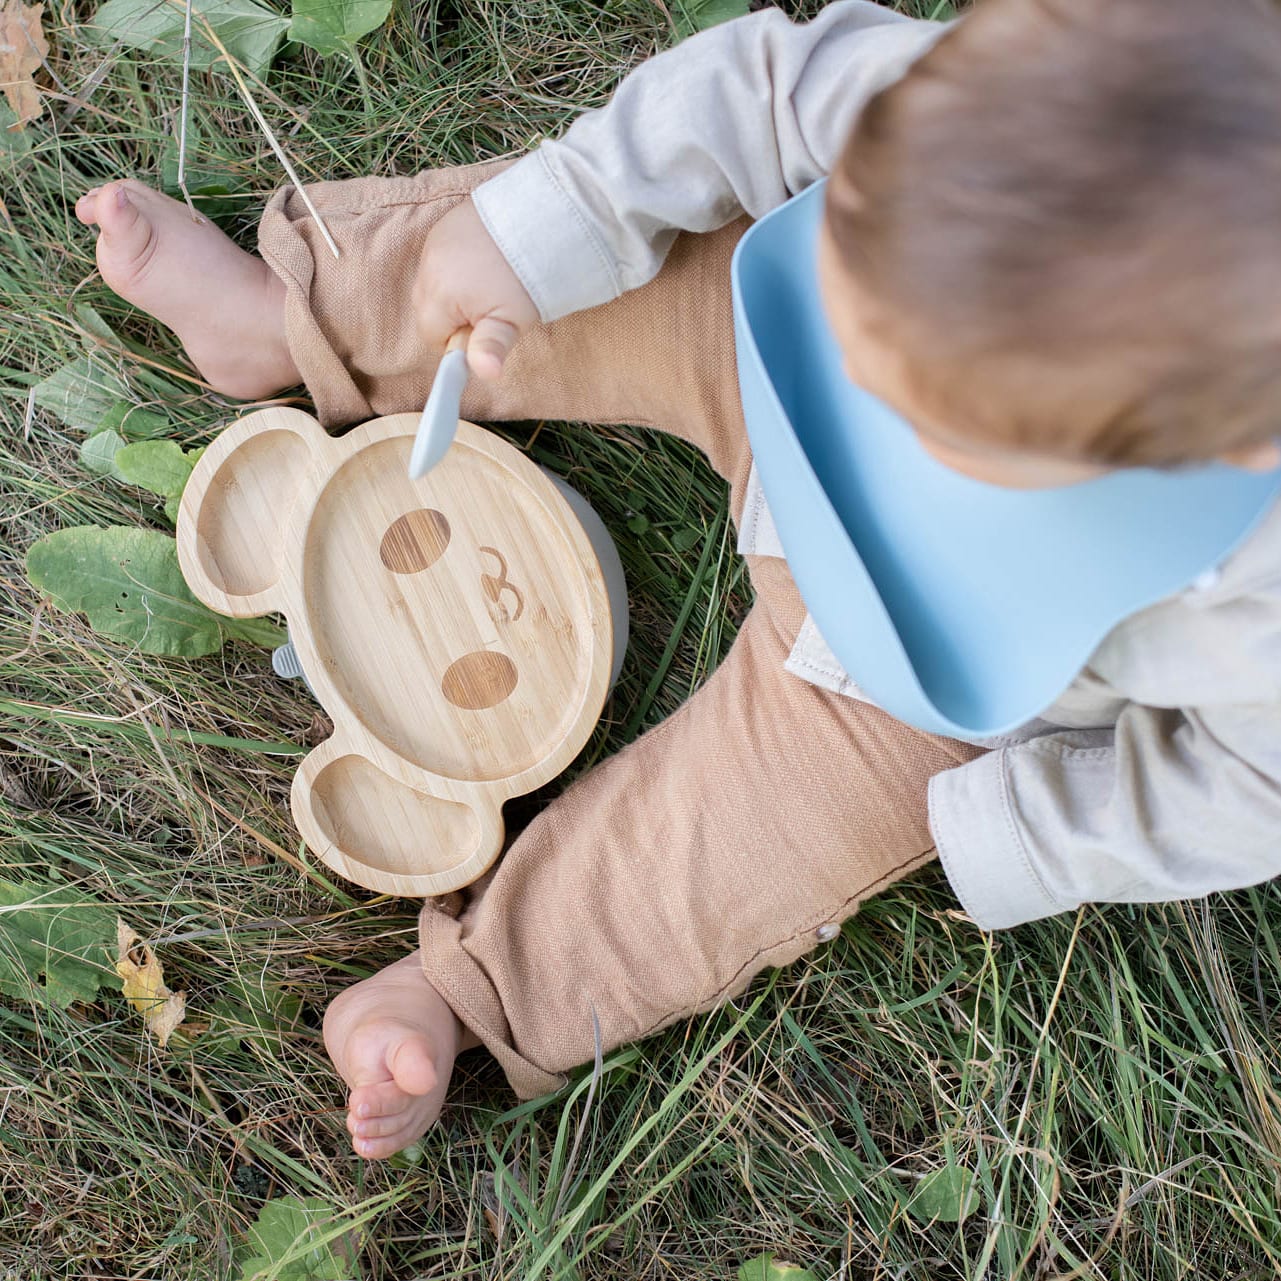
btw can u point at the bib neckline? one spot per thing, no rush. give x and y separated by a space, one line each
962 608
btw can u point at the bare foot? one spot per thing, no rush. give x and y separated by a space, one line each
226 306
393 1040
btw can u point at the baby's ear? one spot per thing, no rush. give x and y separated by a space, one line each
236 506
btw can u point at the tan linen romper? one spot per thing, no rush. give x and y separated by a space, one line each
739 832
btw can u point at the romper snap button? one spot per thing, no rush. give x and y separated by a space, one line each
826 933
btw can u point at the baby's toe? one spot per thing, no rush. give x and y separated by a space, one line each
388 1145
378 1127
87 206
385 1098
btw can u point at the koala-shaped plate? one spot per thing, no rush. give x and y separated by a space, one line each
456 629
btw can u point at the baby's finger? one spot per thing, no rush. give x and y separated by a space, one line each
436 314
491 342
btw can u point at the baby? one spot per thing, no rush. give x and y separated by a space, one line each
1052 242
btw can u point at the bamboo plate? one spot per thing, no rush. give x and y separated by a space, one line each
456 629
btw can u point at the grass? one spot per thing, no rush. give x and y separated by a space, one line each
1108 1082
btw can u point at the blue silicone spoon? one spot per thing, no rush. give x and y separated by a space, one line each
439 422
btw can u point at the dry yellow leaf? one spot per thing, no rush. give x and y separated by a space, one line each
143 983
22 49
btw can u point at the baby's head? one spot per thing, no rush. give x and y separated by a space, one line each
1055 244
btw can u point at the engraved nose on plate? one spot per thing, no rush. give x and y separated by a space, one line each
415 542
479 680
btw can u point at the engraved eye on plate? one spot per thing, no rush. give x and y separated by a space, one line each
415 541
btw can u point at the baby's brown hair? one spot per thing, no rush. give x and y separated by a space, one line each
1066 218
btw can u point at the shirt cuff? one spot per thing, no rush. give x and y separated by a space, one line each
546 238
980 847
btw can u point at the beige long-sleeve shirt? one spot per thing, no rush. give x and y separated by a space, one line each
1157 774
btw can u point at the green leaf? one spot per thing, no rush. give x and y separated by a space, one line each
947 1194
212 185
250 31
638 524
159 466
252 1013
14 143
98 453
408 1158
134 423
82 394
765 1267
127 581
57 932
684 539
255 631
329 26
698 15
289 1243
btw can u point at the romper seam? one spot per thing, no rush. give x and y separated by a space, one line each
866 892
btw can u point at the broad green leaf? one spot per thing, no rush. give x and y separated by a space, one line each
253 631
54 932
329 26
82 394
698 15
98 453
134 423
947 1194
86 393
14 142
127 581
250 31
765 1267
91 322
159 466
289 1243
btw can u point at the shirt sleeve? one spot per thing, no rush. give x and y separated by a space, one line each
733 120
1168 805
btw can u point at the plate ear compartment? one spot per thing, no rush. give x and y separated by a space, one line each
392 833
236 508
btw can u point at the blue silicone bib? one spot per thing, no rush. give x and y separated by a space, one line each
958 606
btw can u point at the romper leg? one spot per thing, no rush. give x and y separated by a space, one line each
717 844
660 356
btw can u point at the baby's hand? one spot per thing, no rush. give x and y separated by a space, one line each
463 279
